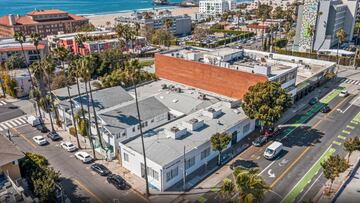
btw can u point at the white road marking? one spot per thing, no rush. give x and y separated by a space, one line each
8 124
13 123
2 103
351 103
17 121
267 167
4 126
302 197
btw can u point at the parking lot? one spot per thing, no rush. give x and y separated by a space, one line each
79 182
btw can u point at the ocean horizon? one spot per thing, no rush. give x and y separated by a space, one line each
80 7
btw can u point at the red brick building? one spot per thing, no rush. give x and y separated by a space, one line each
44 22
224 81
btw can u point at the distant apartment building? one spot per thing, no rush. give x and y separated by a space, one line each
230 72
10 47
181 25
258 29
274 3
95 42
324 18
44 22
216 7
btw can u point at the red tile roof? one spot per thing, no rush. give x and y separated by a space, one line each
18 48
46 12
26 20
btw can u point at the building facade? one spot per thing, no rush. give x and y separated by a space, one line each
274 3
44 22
10 47
216 7
318 22
181 25
176 150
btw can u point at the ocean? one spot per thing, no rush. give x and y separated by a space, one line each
81 7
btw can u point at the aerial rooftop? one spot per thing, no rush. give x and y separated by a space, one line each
171 138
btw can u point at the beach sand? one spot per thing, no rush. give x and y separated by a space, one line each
100 20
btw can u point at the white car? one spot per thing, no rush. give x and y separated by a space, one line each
68 146
40 140
343 93
83 156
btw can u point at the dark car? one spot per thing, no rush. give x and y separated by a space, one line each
54 136
100 169
42 128
313 100
244 164
259 141
117 181
325 109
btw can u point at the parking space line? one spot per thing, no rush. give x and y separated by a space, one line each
342 137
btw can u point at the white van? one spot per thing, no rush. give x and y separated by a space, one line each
273 150
33 120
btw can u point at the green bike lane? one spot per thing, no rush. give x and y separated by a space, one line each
345 126
294 126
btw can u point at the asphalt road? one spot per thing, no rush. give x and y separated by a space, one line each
80 183
304 144
9 111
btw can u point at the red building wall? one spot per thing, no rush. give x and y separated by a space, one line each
228 82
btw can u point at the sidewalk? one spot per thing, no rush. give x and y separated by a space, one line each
323 195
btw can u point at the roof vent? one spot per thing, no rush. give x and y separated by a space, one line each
194 124
177 132
212 113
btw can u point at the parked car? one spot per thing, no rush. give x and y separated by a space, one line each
272 132
325 109
313 100
117 181
100 169
343 93
42 128
244 164
40 140
83 156
68 146
260 141
54 136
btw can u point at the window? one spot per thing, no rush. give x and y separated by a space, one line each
172 174
126 157
152 120
205 153
246 128
150 172
190 162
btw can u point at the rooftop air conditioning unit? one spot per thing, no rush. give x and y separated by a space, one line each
193 124
177 132
212 113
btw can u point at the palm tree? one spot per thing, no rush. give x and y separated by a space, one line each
88 67
341 36
35 38
357 27
134 68
250 185
37 93
120 30
48 67
351 145
227 189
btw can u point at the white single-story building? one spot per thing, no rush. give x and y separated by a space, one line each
187 138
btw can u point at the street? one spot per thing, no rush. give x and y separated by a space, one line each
79 182
308 138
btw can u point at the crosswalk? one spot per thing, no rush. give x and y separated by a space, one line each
13 123
350 81
2 103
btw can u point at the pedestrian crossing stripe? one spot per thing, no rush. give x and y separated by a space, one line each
346 132
2 103
350 81
337 143
342 137
12 123
349 126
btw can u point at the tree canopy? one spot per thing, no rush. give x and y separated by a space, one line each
219 142
266 102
